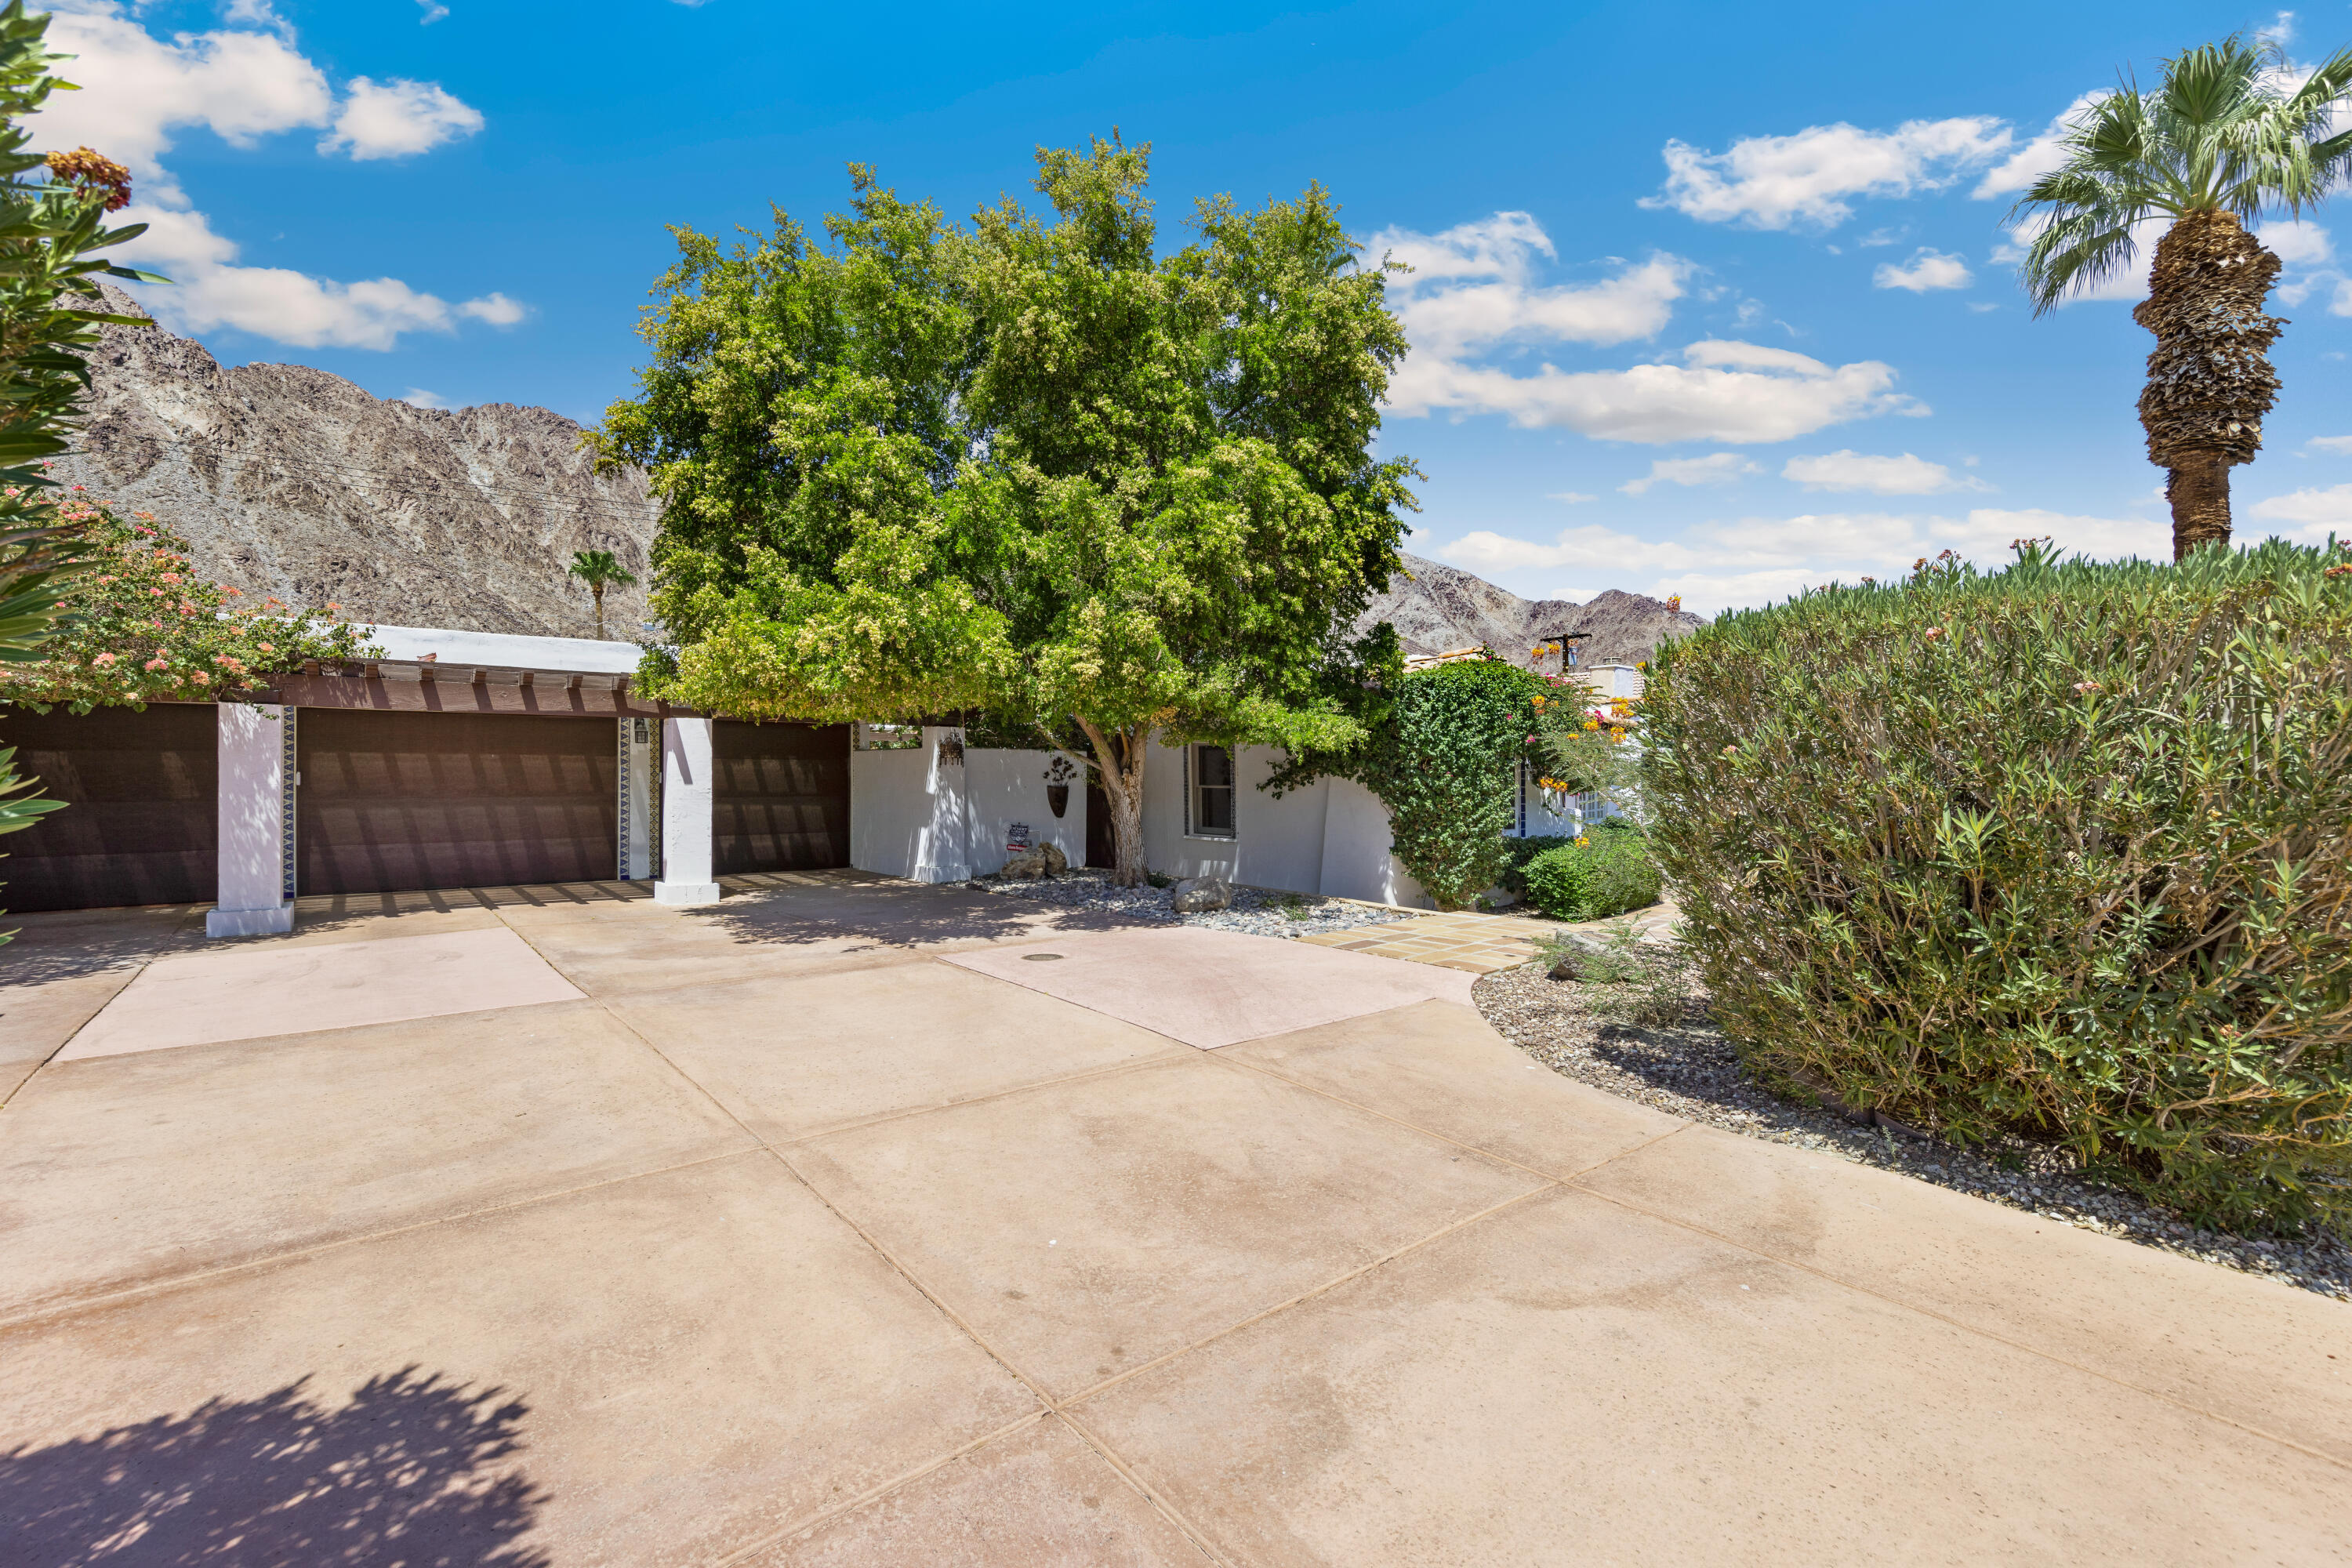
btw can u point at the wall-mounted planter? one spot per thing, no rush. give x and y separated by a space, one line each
1058 797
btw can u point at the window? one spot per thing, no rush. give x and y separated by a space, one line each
1211 803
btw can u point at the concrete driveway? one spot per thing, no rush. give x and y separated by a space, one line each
839 1223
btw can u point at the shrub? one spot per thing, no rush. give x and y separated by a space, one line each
1518 852
2061 852
1627 980
1606 872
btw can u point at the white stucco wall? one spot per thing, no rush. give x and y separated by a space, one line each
504 649
911 816
1330 838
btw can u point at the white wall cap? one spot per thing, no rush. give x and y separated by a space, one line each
505 650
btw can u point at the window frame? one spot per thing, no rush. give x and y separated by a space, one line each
1194 827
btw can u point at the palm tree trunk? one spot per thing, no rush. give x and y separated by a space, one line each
596 591
2210 381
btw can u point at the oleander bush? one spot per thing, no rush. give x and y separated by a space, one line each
1607 872
2060 852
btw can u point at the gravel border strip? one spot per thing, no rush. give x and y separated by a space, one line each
1693 1072
1256 910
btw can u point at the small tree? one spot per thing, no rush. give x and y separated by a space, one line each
2226 138
139 626
600 571
1027 468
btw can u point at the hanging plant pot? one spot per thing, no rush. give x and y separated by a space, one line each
1058 797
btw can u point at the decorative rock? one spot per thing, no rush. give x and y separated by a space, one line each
1197 895
1044 860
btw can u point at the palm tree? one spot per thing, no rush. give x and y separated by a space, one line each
2228 137
599 570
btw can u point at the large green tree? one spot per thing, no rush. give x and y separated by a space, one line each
2225 138
1030 468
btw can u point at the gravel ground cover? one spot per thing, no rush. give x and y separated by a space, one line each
1690 1071
1258 913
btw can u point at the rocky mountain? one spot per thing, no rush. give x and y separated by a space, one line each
1436 608
292 481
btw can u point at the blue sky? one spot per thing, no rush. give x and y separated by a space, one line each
1708 300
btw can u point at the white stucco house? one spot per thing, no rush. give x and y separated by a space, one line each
461 759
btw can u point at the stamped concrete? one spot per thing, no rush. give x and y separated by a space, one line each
252 991
1212 988
804 1235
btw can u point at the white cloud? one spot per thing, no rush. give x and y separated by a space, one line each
138 90
1779 181
434 11
1571 498
2039 156
1725 564
2339 445
1716 468
1473 292
2317 513
1473 286
278 303
1926 270
1729 392
242 84
1903 476
398 119
2298 242
422 399
496 309
2281 31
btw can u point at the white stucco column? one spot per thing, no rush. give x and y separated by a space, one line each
943 845
685 876
256 750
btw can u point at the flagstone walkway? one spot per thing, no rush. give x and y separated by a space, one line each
1472 942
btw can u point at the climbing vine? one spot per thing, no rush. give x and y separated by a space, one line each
1444 751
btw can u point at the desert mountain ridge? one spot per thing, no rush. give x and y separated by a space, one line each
289 480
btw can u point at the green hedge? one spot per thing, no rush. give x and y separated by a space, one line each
1518 852
1607 873
2063 851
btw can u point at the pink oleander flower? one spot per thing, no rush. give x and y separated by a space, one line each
156 664
2088 686
269 647
102 661
170 576
1935 632
155 592
200 677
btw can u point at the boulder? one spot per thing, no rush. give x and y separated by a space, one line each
1044 860
1198 895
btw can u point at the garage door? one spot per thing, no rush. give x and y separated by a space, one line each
395 801
780 796
141 821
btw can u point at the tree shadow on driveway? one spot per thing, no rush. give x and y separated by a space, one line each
414 1471
765 911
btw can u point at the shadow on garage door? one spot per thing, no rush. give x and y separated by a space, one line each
780 797
142 822
390 802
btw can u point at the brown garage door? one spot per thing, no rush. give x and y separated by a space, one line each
142 823
780 796
393 801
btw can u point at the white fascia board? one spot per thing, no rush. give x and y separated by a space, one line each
585 656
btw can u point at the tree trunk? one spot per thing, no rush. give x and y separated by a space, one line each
1119 761
596 592
2208 380
2198 490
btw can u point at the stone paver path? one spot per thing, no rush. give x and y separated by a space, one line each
816 1228
1474 944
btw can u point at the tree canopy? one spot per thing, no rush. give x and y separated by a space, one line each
1026 467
